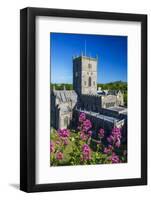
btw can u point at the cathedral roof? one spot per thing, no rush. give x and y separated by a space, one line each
113 92
108 92
110 119
120 109
65 95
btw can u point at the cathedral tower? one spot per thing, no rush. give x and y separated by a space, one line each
85 75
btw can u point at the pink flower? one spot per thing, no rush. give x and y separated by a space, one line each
86 152
109 139
52 148
66 141
114 158
83 136
59 155
115 137
118 143
87 125
89 133
108 149
85 147
116 132
63 133
101 133
57 142
82 117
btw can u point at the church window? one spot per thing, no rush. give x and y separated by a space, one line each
89 81
89 66
76 74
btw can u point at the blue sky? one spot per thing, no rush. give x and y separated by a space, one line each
111 52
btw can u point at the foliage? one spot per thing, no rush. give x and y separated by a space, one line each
117 85
61 86
70 147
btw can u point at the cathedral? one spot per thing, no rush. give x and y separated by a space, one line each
105 108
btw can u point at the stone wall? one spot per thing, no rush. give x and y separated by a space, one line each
62 104
90 102
85 75
104 122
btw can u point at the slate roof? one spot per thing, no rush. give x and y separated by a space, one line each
100 116
113 92
118 109
108 92
65 95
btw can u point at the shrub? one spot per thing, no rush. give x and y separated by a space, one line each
68 147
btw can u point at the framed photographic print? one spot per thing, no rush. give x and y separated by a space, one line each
83 95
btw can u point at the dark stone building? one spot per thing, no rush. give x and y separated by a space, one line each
104 108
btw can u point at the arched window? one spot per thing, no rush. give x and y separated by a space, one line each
89 66
89 81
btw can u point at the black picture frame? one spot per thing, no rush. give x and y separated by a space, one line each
28 98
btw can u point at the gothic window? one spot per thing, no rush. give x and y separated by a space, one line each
107 105
76 74
89 81
89 66
66 121
111 104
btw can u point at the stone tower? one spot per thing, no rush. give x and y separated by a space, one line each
85 75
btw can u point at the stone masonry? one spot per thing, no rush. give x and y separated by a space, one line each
104 108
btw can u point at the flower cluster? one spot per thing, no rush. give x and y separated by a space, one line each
84 126
87 125
89 133
115 137
63 133
83 136
114 158
59 155
52 147
71 147
82 117
86 152
101 133
108 150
